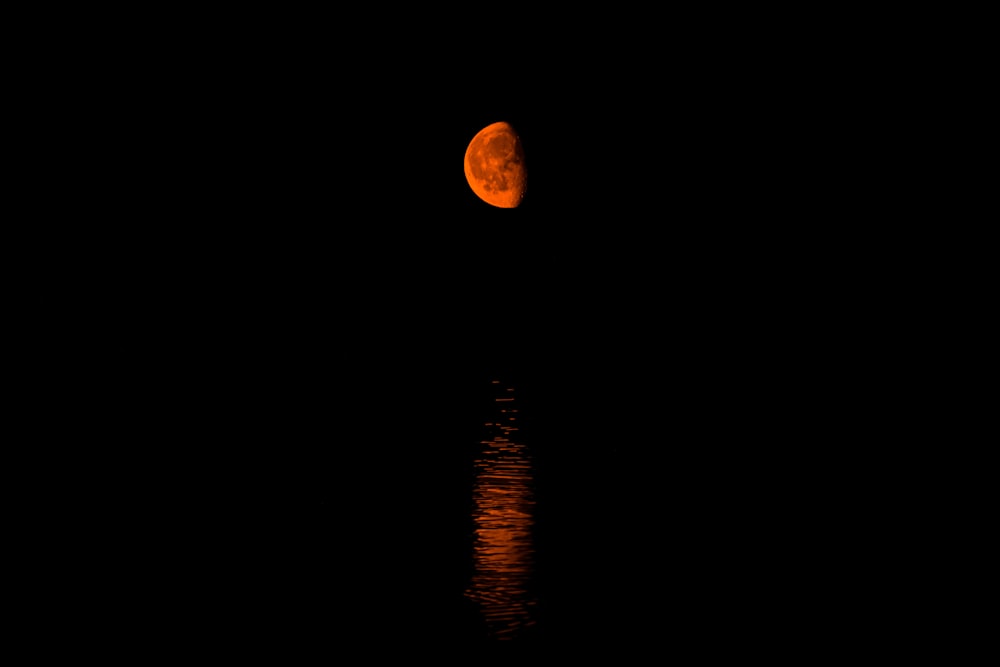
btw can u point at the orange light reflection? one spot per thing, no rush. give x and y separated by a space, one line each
503 551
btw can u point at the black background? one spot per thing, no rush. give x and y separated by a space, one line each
288 302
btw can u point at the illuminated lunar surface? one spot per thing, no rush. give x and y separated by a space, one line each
494 166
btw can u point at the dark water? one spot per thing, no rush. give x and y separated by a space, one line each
272 482
448 506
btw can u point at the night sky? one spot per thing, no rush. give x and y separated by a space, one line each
366 297
318 301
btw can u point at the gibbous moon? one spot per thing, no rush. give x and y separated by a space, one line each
494 166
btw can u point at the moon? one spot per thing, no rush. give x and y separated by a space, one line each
494 166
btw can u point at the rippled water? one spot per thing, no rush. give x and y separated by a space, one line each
504 501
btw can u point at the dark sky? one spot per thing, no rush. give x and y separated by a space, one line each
320 299
323 214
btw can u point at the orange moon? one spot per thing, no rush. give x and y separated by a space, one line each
494 166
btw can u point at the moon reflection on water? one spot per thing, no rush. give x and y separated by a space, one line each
503 503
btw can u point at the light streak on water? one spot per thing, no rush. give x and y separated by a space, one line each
503 504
